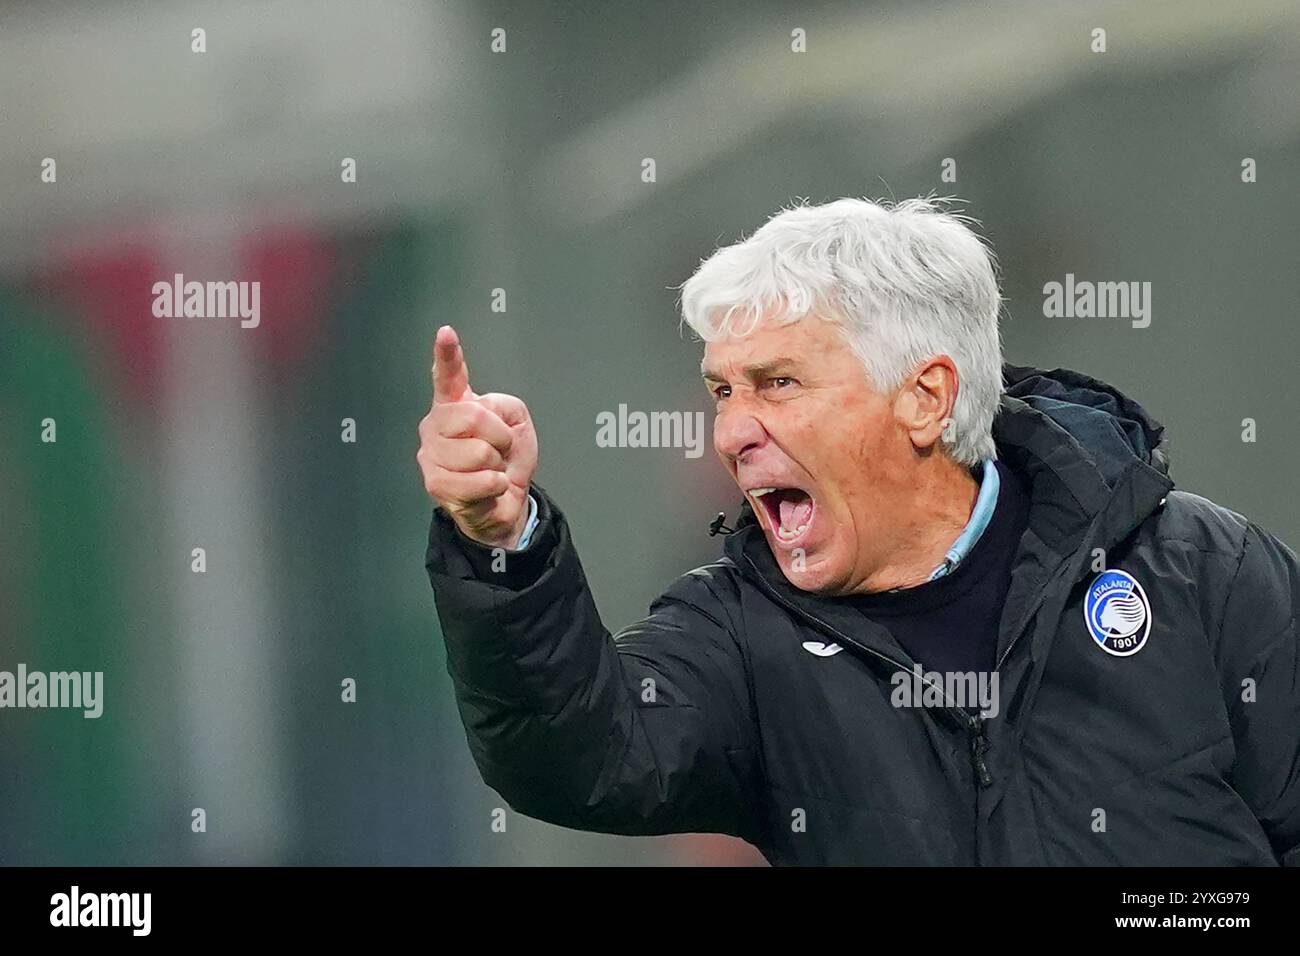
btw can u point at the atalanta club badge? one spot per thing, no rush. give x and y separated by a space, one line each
1117 613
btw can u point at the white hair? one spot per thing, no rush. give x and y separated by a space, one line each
905 282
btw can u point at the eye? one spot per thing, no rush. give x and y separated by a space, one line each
781 381
721 391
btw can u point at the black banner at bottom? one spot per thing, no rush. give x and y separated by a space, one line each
333 905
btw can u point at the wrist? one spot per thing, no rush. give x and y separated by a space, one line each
510 539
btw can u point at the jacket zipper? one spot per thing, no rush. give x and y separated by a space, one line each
979 743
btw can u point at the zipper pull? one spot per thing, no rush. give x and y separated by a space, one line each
979 745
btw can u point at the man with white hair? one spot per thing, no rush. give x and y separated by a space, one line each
964 618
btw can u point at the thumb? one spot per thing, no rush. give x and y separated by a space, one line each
450 375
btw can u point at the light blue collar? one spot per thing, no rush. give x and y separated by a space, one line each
980 516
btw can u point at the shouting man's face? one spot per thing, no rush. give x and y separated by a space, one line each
828 463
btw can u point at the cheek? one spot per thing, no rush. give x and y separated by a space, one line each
855 456
872 439
852 431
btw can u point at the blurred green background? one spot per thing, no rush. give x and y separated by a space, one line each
518 170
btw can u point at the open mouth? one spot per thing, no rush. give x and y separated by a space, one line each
789 511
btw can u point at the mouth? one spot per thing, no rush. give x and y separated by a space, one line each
790 512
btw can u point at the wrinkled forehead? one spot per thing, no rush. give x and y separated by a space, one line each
775 348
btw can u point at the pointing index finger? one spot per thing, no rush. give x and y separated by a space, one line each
450 376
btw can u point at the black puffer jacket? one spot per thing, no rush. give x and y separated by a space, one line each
709 714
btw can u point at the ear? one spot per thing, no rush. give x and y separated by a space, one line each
926 399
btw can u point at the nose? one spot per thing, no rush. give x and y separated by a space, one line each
736 432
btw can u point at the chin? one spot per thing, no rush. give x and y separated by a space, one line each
815 579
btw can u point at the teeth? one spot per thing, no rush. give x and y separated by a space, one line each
781 533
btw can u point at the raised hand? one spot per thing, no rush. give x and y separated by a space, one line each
477 453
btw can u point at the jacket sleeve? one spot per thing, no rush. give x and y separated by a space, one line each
646 732
1259 641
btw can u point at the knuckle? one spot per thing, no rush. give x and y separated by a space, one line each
480 417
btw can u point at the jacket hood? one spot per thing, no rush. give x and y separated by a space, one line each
1096 462
1110 426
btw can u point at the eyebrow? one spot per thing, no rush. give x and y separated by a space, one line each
752 372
